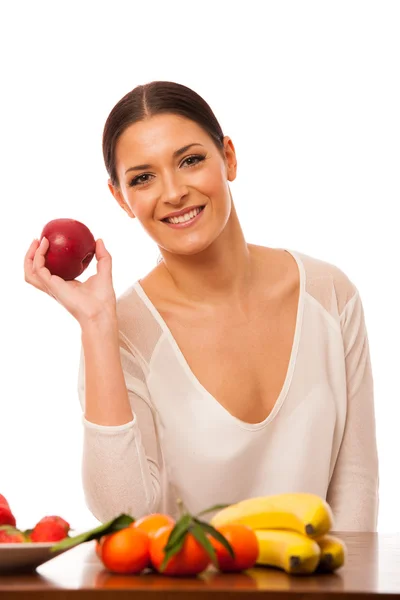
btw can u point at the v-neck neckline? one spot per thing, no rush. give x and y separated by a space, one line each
292 360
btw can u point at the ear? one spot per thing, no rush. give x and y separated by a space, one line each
116 192
230 158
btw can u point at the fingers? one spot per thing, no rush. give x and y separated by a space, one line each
38 275
101 250
29 269
31 251
35 272
104 261
39 261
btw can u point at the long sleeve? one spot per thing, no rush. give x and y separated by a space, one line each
353 489
121 464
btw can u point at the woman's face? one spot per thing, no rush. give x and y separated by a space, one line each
158 176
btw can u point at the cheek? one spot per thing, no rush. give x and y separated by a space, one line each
211 181
141 203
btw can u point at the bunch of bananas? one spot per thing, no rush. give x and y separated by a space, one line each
292 531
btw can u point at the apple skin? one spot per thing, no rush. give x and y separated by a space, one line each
71 247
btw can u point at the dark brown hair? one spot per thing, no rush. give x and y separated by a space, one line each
155 98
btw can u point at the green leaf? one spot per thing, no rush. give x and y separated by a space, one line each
176 539
215 507
197 532
180 528
217 535
173 549
116 524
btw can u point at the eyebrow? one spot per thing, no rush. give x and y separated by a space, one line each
175 155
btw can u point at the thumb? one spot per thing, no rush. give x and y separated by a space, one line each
103 258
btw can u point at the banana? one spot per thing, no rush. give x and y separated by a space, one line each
307 514
288 550
333 553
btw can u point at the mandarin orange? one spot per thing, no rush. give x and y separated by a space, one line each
244 544
126 551
192 559
153 522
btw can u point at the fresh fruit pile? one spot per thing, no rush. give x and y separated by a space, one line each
285 531
292 531
48 529
185 547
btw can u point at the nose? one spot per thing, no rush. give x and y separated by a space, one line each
173 190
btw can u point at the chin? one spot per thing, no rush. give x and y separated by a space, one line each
194 242
188 248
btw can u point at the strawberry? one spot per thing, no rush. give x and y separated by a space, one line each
3 502
6 516
50 531
11 535
56 519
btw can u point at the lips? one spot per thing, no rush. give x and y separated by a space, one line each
181 214
185 224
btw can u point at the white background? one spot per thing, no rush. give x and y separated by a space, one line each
309 93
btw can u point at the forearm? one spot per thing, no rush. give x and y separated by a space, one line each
354 488
120 466
354 499
106 396
117 475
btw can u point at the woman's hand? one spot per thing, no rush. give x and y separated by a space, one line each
85 301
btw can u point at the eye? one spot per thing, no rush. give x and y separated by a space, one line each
196 157
137 181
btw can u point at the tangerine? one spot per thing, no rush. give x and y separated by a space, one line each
192 558
126 551
99 544
153 522
244 544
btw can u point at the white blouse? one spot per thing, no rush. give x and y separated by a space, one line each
319 438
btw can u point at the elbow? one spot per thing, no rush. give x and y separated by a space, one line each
108 502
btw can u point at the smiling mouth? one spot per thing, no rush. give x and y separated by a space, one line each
181 220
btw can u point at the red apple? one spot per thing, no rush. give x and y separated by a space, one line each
71 247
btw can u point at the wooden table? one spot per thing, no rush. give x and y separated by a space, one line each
372 569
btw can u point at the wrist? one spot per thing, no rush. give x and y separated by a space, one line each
102 322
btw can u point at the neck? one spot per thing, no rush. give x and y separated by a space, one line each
220 274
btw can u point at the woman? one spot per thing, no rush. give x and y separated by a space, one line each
230 370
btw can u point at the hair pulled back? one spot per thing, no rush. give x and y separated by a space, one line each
154 98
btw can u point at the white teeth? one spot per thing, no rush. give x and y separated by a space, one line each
186 217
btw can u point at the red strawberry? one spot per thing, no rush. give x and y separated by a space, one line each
11 535
56 519
3 502
51 531
6 516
